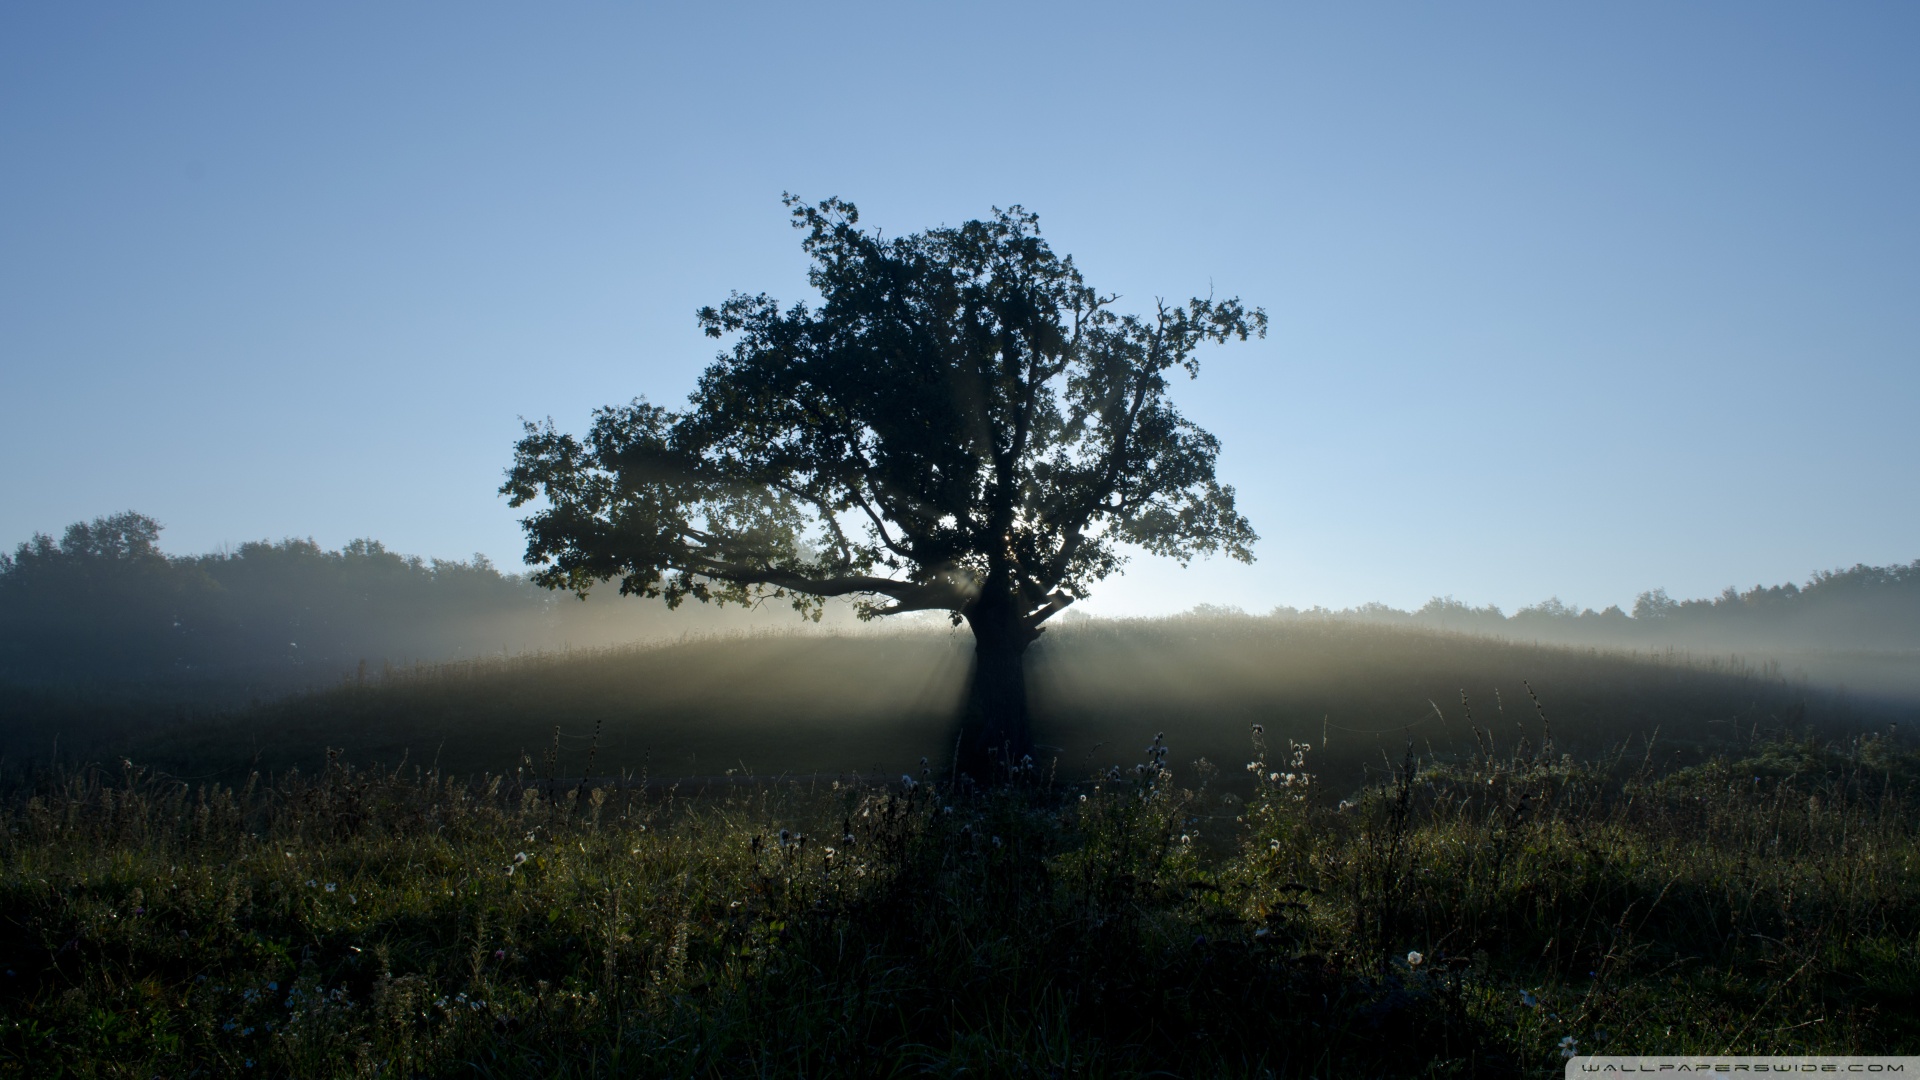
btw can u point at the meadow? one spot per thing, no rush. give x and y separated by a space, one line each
771 704
1258 849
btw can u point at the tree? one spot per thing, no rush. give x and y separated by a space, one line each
960 425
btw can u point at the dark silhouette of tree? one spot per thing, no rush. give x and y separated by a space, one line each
961 425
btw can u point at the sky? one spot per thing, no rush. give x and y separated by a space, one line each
1567 300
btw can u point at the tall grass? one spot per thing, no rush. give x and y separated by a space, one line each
1472 916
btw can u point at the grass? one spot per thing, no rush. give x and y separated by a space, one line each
1468 915
773 704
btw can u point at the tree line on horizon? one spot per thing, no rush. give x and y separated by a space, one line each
1860 608
104 600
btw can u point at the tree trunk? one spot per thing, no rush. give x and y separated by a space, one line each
995 732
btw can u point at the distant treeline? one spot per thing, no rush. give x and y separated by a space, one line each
104 600
1867 607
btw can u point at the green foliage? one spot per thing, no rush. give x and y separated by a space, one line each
105 604
1866 607
1465 918
961 425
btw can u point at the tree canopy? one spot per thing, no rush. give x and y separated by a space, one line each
960 424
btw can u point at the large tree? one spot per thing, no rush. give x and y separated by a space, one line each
961 424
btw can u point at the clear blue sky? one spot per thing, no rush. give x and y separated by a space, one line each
1568 299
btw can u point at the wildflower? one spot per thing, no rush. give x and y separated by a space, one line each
331 886
273 986
1259 729
245 1031
1185 839
946 809
908 782
249 1063
228 1026
352 899
829 852
846 838
1529 1000
1262 932
1273 777
785 838
996 841
519 857
1083 798
1415 959
499 954
923 763
1568 1048
312 884
1273 846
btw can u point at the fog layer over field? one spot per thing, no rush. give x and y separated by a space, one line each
276 651
838 704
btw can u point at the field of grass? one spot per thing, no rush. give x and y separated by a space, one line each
1253 848
792 704
1473 918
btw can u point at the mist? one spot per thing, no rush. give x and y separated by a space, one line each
104 603
275 651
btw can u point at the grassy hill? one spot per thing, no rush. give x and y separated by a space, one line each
787 704
1656 854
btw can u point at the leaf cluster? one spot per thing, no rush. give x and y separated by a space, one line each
960 421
